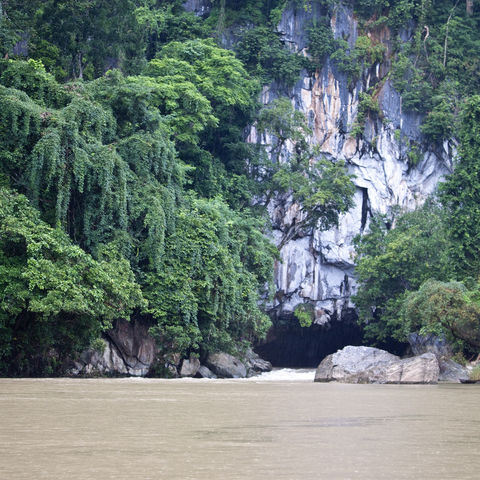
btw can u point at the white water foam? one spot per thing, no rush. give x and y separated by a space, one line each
286 375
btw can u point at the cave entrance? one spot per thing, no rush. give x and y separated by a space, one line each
289 345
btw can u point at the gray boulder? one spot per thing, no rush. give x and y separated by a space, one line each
106 362
136 346
452 372
429 344
129 350
255 364
421 369
226 366
204 372
350 364
372 365
190 367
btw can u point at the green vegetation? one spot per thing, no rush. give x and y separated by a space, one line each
460 195
367 107
394 261
264 55
475 373
55 297
444 309
304 314
423 275
127 187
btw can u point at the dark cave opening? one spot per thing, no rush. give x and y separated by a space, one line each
289 345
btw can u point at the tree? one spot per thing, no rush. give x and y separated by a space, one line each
205 298
394 261
88 36
56 298
445 309
460 195
217 144
102 165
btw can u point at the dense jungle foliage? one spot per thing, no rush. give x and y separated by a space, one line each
423 274
127 189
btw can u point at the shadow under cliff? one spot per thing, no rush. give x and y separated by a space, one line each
290 345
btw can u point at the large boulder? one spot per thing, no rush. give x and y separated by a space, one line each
136 346
421 369
350 364
372 365
128 350
190 367
106 361
226 366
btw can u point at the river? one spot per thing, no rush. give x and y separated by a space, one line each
280 426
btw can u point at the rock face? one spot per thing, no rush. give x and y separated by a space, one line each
318 267
429 344
256 365
372 365
190 367
226 366
452 372
129 350
136 346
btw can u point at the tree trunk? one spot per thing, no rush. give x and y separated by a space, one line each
469 7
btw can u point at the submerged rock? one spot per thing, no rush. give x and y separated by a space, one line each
226 366
372 365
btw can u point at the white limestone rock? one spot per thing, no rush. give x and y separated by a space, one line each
372 365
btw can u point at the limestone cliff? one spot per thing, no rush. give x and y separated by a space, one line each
318 268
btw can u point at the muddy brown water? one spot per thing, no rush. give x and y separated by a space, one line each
235 429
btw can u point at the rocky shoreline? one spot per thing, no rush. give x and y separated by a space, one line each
129 350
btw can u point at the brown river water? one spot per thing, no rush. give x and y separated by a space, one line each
278 427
